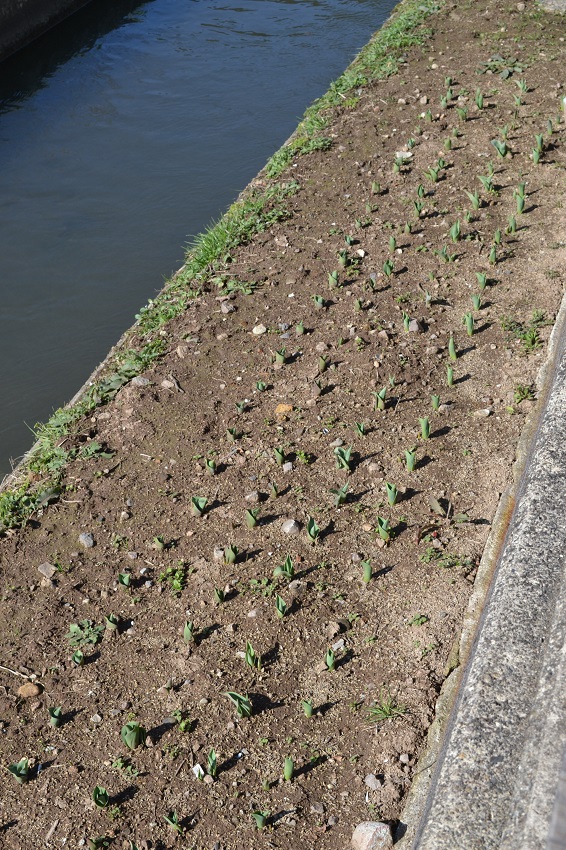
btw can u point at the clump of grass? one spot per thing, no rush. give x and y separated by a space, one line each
386 708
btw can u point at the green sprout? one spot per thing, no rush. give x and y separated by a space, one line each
435 401
343 457
482 280
78 658
306 705
211 763
133 735
189 632
367 573
425 427
468 320
333 280
392 243
286 569
388 268
313 530
511 225
410 459
55 716
379 399
474 199
210 466
273 490
112 623
340 494
20 771
242 703
219 596
279 456
172 819
476 301
406 322
288 769
232 435
280 607
455 231
450 376
493 256
260 819
230 554
319 302
384 529
280 356
251 657
343 258
198 505
323 362
452 349
392 493
260 386
125 580
479 99
501 147
330 660
300 328
101 797
241 407
251 517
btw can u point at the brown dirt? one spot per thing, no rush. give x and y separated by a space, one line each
394 635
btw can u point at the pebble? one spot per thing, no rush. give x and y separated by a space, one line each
182 351
258 330
96 719
336 443
132 555
29 690
372 835
218 553
483 413
287 466
252 497
372 782
332 820
47 570
317 808
86 540
291 527
415 327
140 381
226 307
404 758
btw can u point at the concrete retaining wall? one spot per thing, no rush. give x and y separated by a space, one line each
23 20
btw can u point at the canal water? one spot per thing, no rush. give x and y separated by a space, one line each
123 133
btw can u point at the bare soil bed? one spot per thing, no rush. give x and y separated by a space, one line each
389 208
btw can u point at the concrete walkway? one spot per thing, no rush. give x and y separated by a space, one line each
499 782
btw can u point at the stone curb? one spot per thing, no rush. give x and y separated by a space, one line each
491 772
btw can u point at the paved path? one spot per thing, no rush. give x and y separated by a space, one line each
500 777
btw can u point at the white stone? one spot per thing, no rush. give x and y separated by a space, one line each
372 835
291 527
259 330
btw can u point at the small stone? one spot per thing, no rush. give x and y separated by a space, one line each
483 413
291 527
423 100
46 583
182 351
252 497
208 780
140 381
404 758
372 782
415 327
282 410
259 330
336 443
47 570
86 540
287 466
321 347
218 553
132 555
520 7
372 835
226 308
96 719
332 820
124 515
317 808
29 690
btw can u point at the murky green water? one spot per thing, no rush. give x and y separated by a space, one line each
122 134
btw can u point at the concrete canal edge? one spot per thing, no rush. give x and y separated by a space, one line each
490 776
22 21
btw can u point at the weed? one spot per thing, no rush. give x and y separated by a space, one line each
84 633
523 392
385 708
